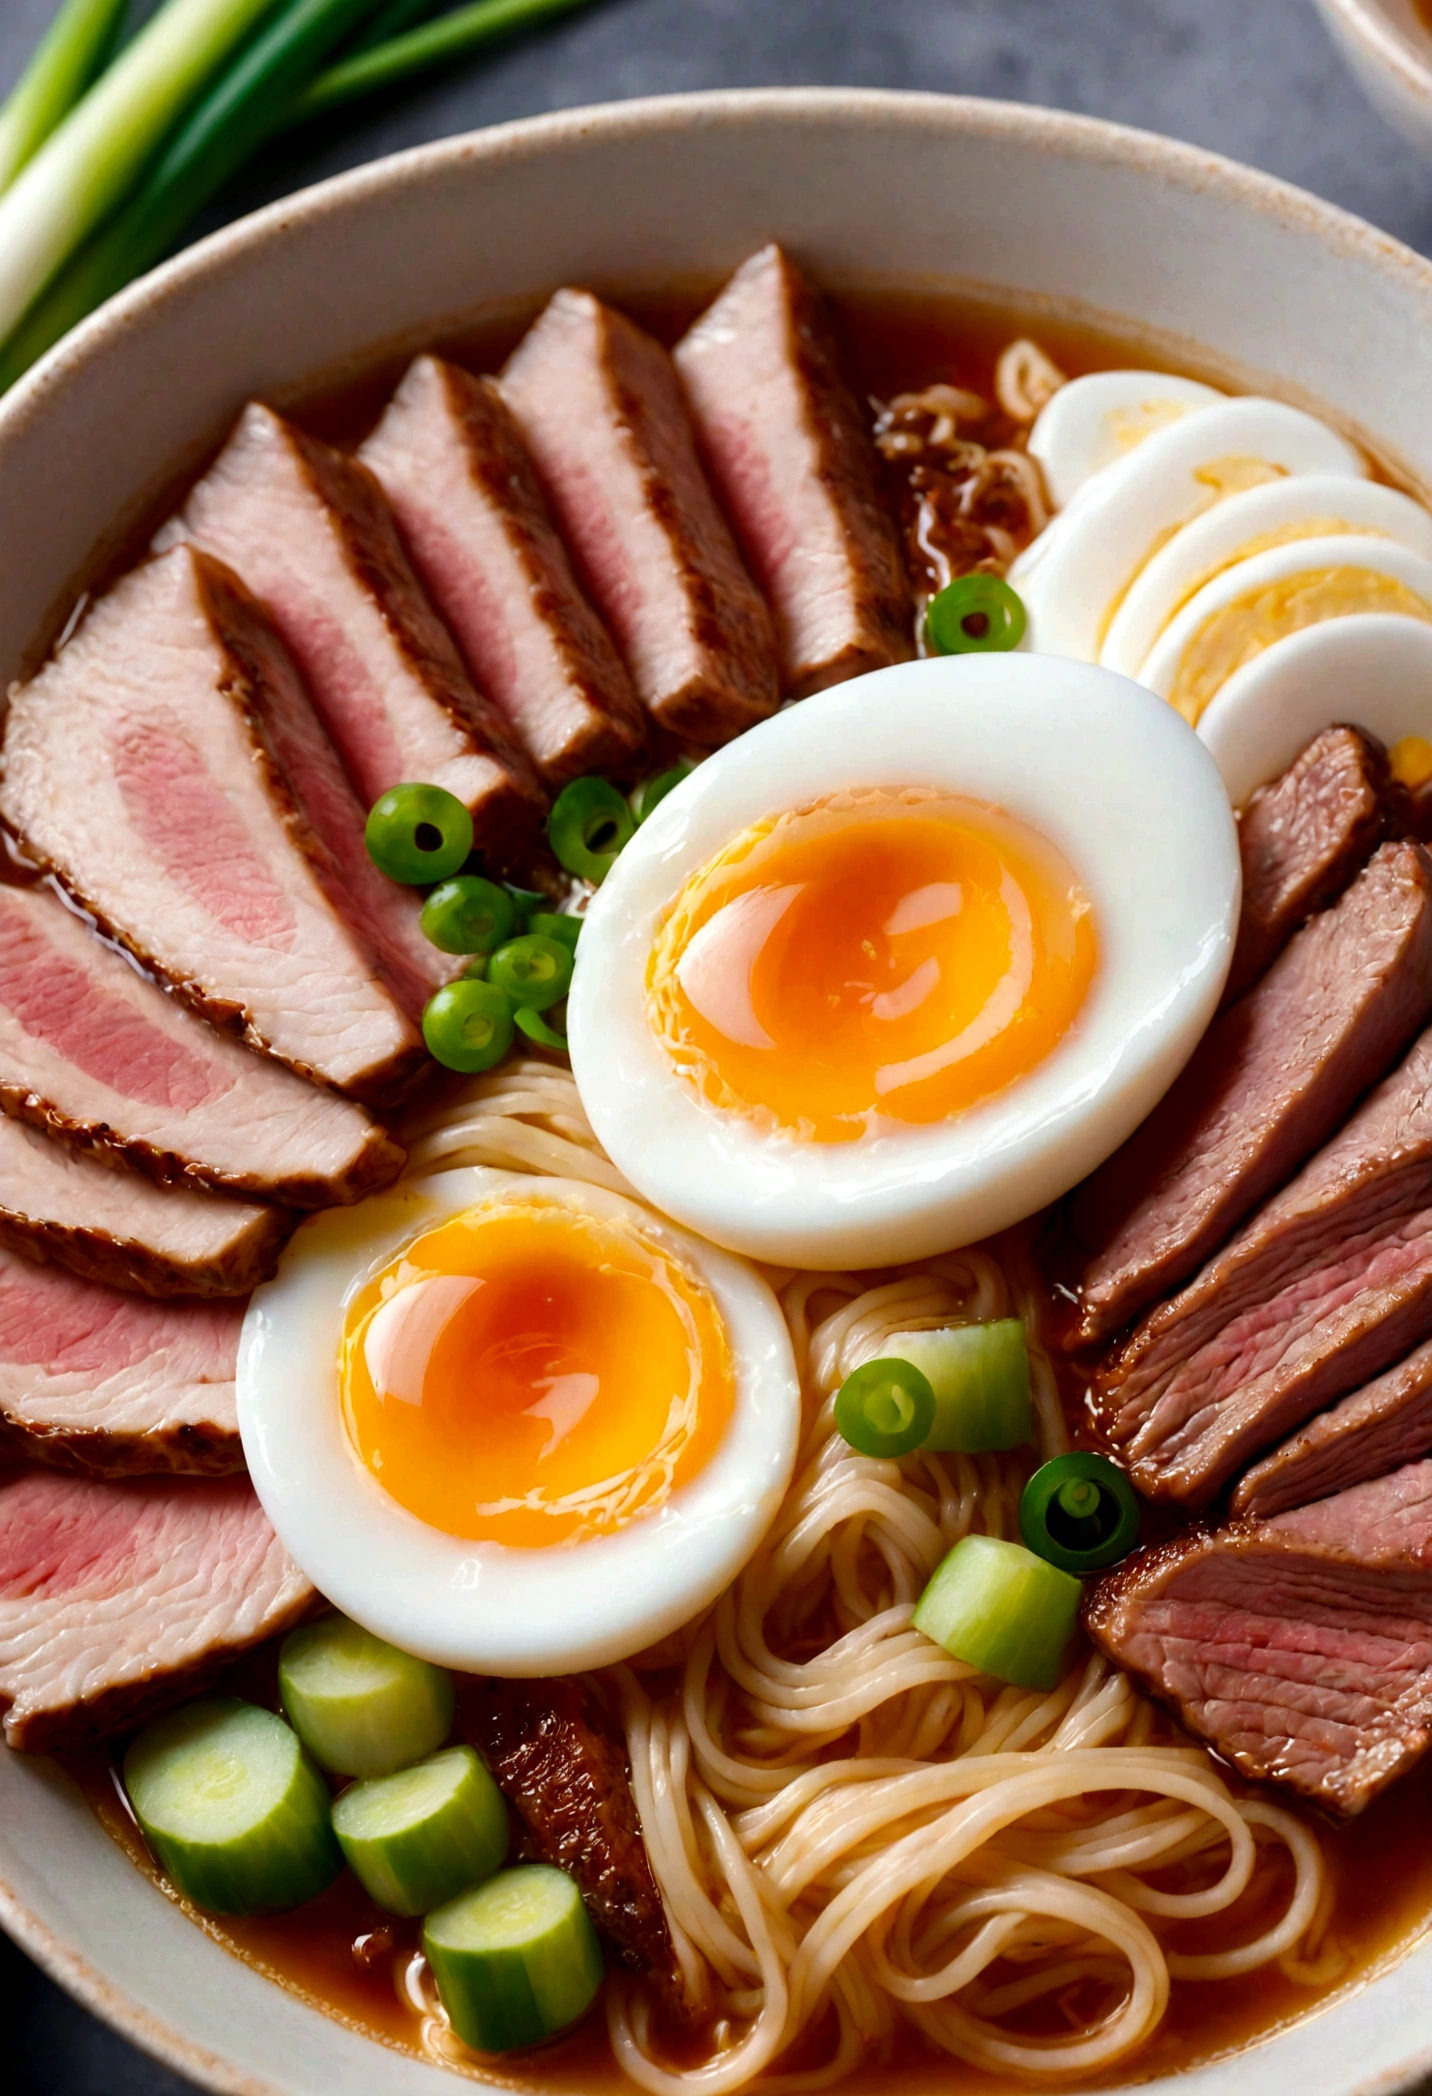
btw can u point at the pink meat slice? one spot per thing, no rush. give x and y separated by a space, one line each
1371 1433
109 1224
461 482
1300 1648
118 1599
140 767
96 1380
308 532
602 410
786 444
99 1055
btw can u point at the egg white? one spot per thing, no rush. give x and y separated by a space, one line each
1109 775
1374 668
482 1607
1092 421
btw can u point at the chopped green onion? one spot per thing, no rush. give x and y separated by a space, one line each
525 901
980 1377
422 49
91 162
885 1408
1080 1512
417 834
468 1025
652 792
975 615
536 1029
516 1960
74 49
535 972
589 824
554 924
1002 1610
360 1706
476 969
468 915
232 1807
423 1834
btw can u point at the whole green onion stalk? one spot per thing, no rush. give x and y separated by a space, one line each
451 36
90 163
75 48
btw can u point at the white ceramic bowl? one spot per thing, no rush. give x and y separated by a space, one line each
1219 267
1388 45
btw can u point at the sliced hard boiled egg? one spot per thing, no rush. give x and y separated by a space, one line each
515 1425
902 964
1074 576
1092 421
1275 593
1313 505
1374 668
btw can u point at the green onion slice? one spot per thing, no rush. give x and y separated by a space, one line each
525 901
535 972
652 792
468 1025
885 1408
588 825
1080 1512
536 1029
558 925
975 615
468 915
1002 1610
980 1377
417 834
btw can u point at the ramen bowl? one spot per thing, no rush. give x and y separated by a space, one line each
1388 45
1204 264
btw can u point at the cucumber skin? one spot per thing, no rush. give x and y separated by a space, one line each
233 1880
491 1998
432 1867
347 1741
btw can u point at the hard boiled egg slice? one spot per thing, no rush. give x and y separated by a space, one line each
515 1425
1314 505
902 964
1373 668
1091 422
1073 577
1272 594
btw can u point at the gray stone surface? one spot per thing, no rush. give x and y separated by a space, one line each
1256 79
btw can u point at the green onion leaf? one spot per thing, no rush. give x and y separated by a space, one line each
980 1377
1080 1512
1002 1610
536 1029
74 49
453 35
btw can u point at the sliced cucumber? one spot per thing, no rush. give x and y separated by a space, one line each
416 1838
999 1608
232 1807
361 1707
516 1960
980 1377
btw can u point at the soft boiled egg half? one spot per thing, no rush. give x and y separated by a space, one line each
901 965
515 1425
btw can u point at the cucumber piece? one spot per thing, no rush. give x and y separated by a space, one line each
362 1708
417 1838
980 1377
516 1960
232 1807
999 1608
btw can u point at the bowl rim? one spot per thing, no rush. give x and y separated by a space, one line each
1194 169
1385 44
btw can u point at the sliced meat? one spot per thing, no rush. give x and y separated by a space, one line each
1329 1284
1270 1080
562 1764
109 1224
1300 1648
309 533
461 482
117 1600
91 1379
137 768
603 412
1302 840
98 1055
787 446
1369 1434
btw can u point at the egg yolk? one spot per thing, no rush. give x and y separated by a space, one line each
879 957
528 1374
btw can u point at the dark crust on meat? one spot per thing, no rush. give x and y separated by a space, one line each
501 465
96 1256
185 1450
848 472
562 1764
377 1166
1371 1432
509 817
